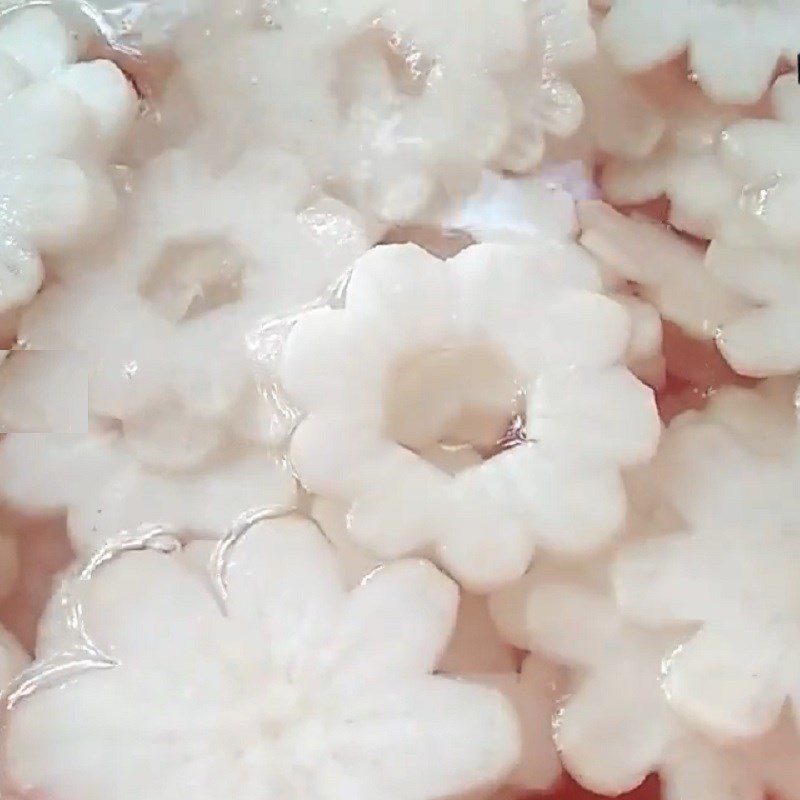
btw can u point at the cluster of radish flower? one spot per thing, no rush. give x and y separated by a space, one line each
345 382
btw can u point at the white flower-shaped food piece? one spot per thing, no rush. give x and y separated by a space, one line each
77 111
196 271
687 169
669 270
416 106
731 569
207 243
392 152
302 690
426 352
733 677
615 726
725 176
733 47
105 490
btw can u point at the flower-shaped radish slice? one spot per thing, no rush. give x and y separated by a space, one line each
727 175
302 690
727 569
427 352
686 168
733 47
615 725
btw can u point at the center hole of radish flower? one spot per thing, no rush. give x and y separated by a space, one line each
194 276
454 406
